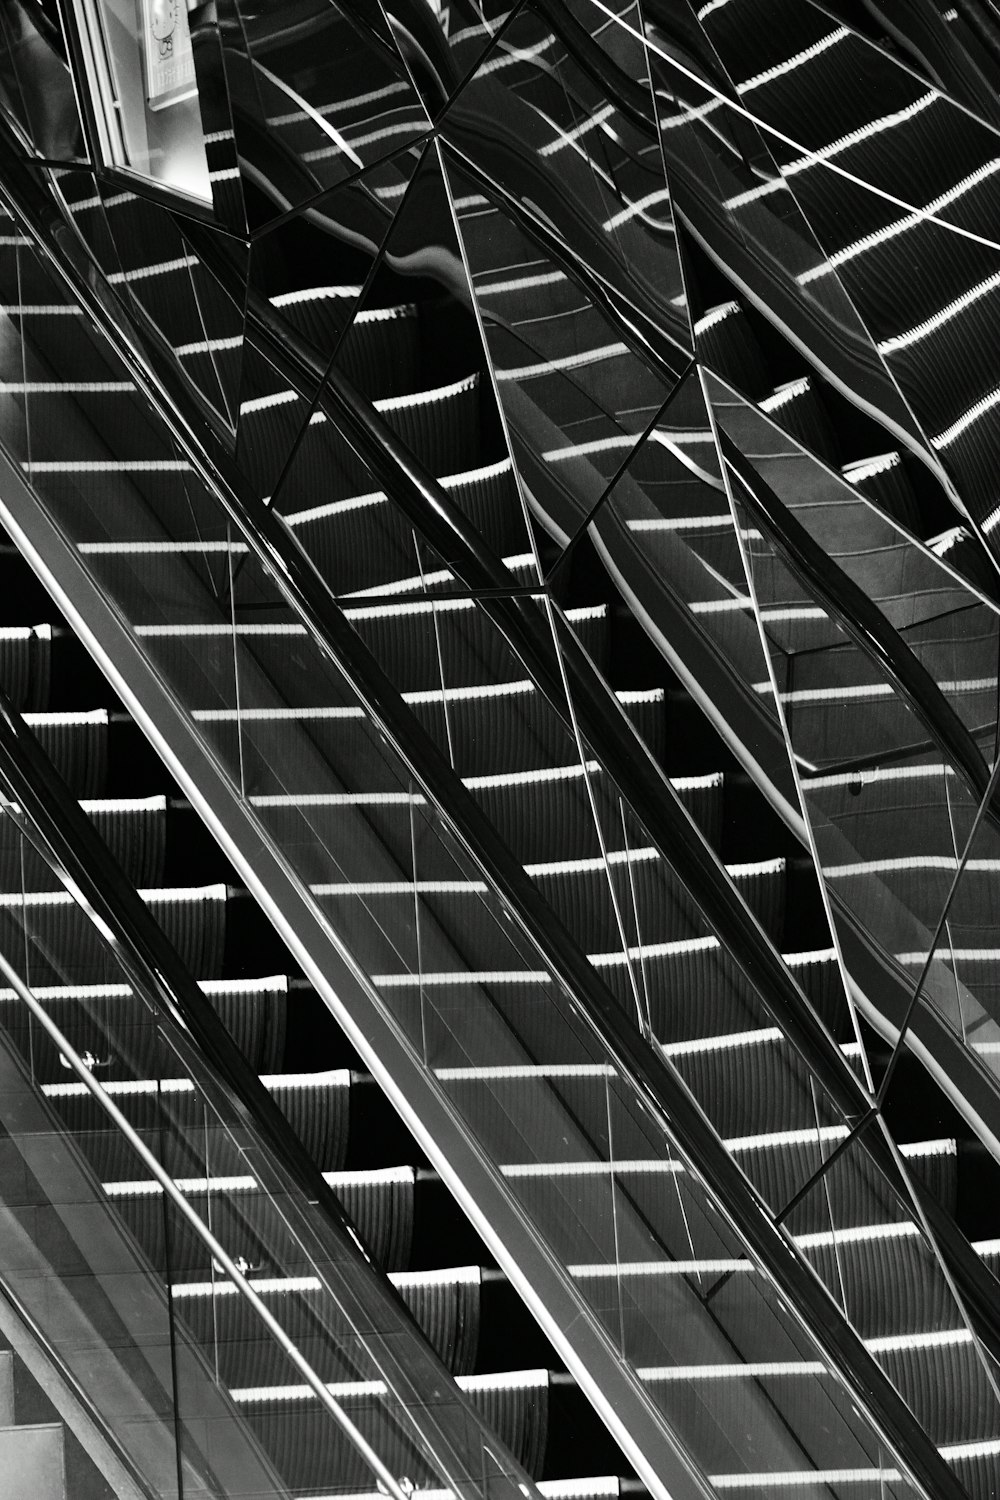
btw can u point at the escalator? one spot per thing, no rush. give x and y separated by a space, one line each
712 1055
465 686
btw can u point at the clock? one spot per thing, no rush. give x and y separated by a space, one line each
168 59
163 18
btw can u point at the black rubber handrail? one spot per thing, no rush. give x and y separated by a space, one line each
983 19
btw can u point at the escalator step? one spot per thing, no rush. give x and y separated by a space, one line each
309 1449
728 345
26 665
446 1304
77 745
107 1022
65 948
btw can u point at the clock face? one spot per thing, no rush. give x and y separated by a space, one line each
163 18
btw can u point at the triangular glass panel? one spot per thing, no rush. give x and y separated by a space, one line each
666 533
889 837
412 365
453 36
307 274
309 269
575 397
737 205
903 200
736 344
658 953
314 102
36 85
588 174
886 809
952 632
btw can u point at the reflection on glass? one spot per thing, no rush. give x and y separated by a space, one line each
409 350
575 398
145 93
321 95
727 176
890 830
580 164
311 268
667 531
949 629
36 87
886 167
499 1039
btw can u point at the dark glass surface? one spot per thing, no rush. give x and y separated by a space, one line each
558 491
